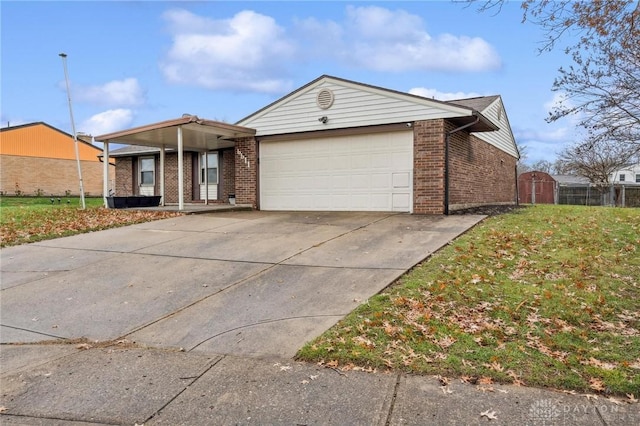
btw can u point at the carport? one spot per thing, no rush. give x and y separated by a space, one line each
186 133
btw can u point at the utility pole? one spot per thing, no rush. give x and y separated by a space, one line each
73 128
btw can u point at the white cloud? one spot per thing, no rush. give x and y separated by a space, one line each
120 93
546 142
441 96
107 122
245 52
384 40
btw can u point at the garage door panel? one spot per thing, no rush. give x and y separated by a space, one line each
400 159
360 173
380 181
401 180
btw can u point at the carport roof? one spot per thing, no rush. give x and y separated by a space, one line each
198 134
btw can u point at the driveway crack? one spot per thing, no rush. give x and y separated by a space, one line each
194 379
268 321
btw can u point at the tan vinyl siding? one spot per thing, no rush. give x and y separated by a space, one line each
354 106
503 138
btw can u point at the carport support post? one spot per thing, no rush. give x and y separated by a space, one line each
162 150
206 177
105 171
180 171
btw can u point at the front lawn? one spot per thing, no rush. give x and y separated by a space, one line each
543 296
30 219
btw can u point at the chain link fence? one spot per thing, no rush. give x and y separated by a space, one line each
586 195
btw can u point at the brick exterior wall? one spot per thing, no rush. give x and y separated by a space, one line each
171 177
126 182
428 167
228 174
124 176
479 173
52 176
246 171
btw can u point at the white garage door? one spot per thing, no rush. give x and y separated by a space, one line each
347 173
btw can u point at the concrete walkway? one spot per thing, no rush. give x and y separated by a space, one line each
195 320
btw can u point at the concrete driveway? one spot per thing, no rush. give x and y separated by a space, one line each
240 283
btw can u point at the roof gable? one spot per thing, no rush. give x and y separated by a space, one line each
493 108
42 140
480 103
353 105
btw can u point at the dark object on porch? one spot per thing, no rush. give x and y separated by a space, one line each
133 201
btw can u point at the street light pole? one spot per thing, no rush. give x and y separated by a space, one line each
73 128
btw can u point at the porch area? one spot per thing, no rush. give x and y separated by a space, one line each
187 164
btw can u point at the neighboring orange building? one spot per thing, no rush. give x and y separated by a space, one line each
38 159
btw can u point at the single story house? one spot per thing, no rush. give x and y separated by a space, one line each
332 145
38 159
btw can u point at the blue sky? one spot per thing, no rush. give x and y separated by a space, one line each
134 63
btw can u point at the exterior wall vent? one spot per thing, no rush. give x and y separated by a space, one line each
324 99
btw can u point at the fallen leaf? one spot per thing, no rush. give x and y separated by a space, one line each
632 398
491 415
596 384
443 380
3 409
83 346
614 400
304 382
467 379
485 380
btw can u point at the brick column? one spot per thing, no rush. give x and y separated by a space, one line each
246 173
428 167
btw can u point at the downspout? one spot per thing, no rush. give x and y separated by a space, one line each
446 161
518 185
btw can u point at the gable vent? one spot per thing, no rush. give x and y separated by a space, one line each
324 99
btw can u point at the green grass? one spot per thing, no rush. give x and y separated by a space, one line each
544 296
31 219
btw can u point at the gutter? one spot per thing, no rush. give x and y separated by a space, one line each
446 160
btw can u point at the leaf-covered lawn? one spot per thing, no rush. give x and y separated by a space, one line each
26 220
544 296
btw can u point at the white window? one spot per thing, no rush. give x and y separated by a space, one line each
211 168
622 177
147 171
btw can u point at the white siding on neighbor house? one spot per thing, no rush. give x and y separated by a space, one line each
354 106
631 175
503 138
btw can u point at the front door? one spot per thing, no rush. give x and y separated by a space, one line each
209 176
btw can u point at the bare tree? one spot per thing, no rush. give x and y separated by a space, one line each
598 160
560 168
542 166
602 85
